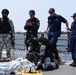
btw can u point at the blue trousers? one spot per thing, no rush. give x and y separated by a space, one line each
73 48
53 40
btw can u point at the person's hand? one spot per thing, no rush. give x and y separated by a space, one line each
12 39
45 32
68 30
38 64
28 23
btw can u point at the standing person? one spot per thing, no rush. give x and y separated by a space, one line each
54 29
73 41
32 26
6 33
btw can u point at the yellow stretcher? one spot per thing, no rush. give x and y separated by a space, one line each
33 73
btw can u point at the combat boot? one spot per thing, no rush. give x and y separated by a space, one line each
74 65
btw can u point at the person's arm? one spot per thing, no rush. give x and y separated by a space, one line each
66 22
67 27
0 22
12 32
47 25
12 28
46 29
27 25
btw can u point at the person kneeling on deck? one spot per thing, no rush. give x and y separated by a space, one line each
33 50
6 33
41 54
47 58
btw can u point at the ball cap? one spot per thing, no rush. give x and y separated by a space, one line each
74 15
51 10
32 12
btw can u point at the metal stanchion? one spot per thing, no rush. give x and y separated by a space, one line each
68 39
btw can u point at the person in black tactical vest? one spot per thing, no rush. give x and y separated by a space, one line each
32 26
6 33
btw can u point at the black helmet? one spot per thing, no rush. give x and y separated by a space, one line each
32 12
5 11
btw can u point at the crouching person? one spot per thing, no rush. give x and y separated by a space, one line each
33 50
6 33
47 59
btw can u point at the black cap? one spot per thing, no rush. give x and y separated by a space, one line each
5 11
74 15
32 12
51 10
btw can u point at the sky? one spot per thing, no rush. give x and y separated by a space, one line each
19 11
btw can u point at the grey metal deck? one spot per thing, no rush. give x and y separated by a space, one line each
63 70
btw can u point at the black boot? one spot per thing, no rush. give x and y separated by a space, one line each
57 64
73 64
39 67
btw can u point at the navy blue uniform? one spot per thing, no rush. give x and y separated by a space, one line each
73 40
55 30
32 30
